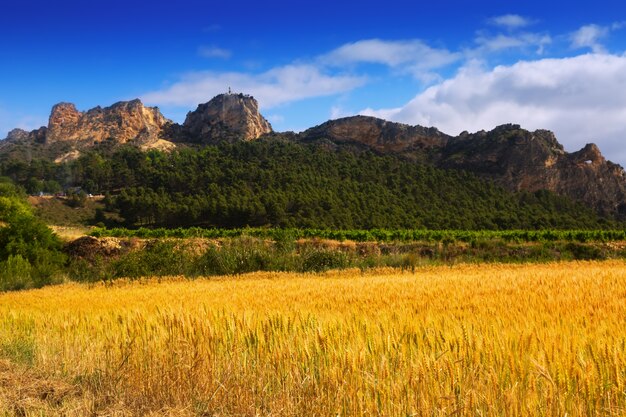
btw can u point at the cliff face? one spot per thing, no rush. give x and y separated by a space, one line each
226 117
513 157
377 134
122 122
523 160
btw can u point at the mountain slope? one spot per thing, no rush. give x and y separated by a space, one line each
512 157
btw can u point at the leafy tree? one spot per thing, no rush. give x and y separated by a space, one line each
284 184
30 253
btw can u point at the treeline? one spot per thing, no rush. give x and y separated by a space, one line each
288 185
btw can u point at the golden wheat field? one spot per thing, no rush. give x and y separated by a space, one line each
479 340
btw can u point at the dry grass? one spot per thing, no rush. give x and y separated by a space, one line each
488 340
69 233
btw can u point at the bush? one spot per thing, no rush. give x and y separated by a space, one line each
581 251
317 260
237 256
15 274
30 253
159 258
94 270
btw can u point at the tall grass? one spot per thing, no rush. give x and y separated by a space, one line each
490 340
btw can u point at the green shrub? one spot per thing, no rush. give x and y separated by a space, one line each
159 258
97 269
30 253
15 274
317 260
236 256
581 251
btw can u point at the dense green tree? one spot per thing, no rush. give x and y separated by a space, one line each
30 253
274 183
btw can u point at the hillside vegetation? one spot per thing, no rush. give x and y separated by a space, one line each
282 184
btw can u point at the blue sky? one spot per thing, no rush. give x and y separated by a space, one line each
456 65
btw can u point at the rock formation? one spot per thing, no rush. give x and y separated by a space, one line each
511 156
523 160
22 136
122 122
378 134
225 117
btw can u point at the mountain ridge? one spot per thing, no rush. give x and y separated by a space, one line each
513 157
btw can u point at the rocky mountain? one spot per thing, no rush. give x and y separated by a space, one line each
20 136
226 116
378 134
123 122
70 131
511 156
523 160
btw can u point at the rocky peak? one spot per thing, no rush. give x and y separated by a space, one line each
378 134
226 117
18 135
122 122
64 114
522 160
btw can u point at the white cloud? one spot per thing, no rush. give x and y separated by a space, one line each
580 98
413 56
511 21
274 87
337 112
501 42
590 36
214 52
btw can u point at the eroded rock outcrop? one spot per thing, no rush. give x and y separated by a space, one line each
226 117
511 156
522 160
17 136
122 122
378 134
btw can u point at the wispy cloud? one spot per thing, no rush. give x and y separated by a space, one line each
412 56
511 21
214 52
272 88
337 112
496 43
580 98
590 36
